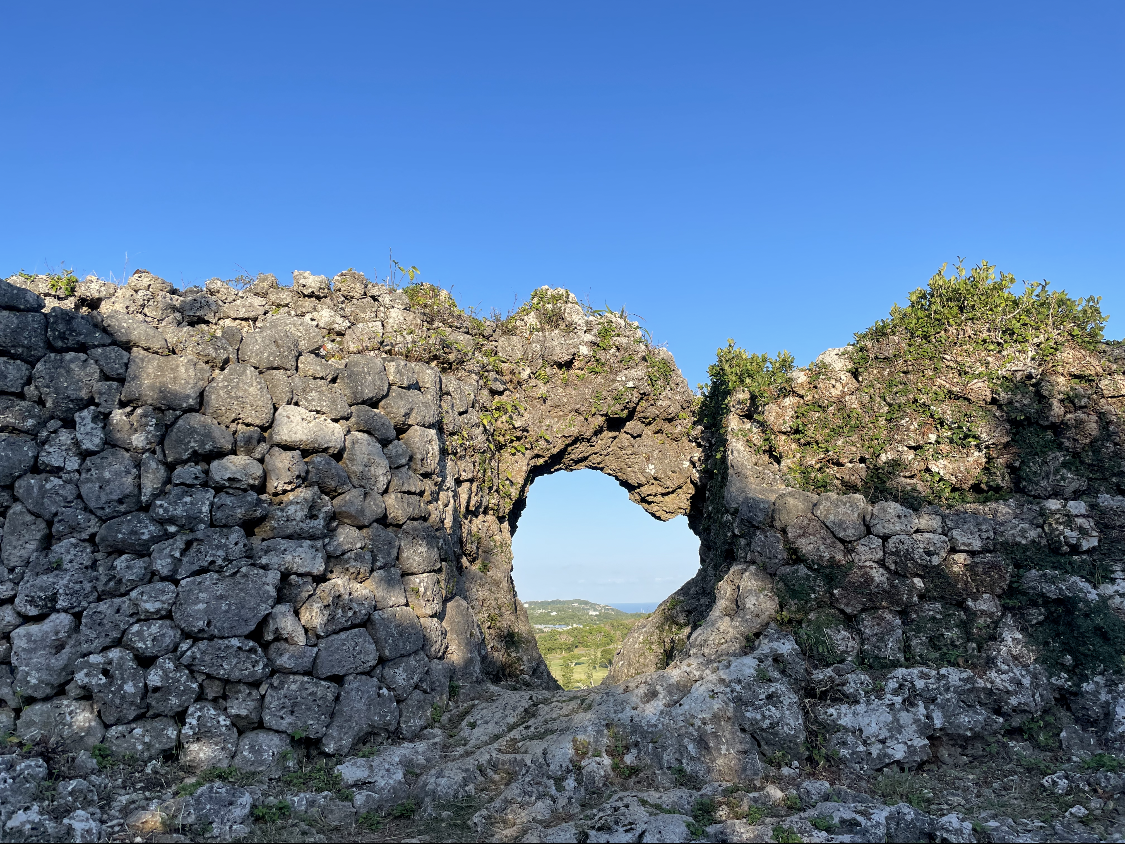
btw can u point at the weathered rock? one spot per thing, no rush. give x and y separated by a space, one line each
364 380
396 632
882 637
186 507
114 361
16 298
238 394
891 519
140 430
425 593
60 579
425 452
293 556
292 659
300 703
349 652
237 472
415 714
336 605
295 427
66 382
386 585
263 752
301 514
24 536
72 724
373 422
365 464
365 707
815 543
149 639
408 408
144 740
134 332
14 375
196 437
110 483
171 688
327 474
285 470
359 507
221 606
208 738
17 456
44 655
269 348
69 331
23 336
320 397
116 683
45 495
403 674
228 659
104 623
121 575
165 381
230 509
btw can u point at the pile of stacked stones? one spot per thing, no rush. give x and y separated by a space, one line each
214 536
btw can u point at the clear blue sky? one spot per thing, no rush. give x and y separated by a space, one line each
776 173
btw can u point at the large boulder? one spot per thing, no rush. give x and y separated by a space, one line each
116 682
73 725
295 427
23 336
228 659
295 703
67 383
110 483
221 606
365 707
173 382
44 655
364 379
194 436
238 394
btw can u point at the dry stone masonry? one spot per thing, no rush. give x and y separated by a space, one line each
246 529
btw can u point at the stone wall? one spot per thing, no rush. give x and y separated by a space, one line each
236 516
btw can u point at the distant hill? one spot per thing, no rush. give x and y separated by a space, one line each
574 611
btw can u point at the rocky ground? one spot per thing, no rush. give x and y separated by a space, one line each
665 757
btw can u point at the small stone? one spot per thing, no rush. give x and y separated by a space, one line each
285 471
359 507
891 519
403 674
293 556
301 514
424 593
220 806
186 507
104 623
373 422
365 707
17 457
418 551
66 382
327 474
149 639
14 375
291 659
269 348
23 336
44 655
116 683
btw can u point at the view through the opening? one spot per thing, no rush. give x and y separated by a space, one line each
588 564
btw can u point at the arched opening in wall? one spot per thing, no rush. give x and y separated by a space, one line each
588 564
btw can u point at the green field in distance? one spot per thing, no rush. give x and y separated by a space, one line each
579 638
